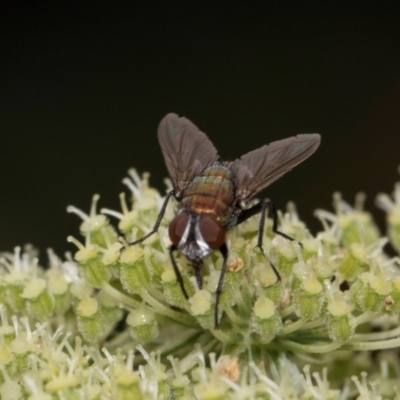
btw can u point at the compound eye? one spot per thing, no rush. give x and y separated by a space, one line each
177 228
212 232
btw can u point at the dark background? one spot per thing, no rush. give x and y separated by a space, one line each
82 90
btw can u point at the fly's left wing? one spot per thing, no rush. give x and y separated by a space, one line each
187 151
256 170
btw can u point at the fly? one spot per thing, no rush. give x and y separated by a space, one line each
214 195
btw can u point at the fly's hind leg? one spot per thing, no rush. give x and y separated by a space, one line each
265 205
262 208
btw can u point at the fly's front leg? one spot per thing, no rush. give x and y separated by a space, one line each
159 219
224 251
178 274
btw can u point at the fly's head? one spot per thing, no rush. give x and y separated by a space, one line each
196 235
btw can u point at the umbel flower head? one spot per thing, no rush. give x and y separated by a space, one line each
111 321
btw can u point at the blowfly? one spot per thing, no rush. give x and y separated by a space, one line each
214 196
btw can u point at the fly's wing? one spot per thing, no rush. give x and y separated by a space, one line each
187 151
256 170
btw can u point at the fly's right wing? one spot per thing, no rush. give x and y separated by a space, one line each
256 170
187 151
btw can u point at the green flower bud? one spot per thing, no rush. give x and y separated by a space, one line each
340 328
266 322
80 290
95 227
58 289
110 309
339 320
369 300
358 227
200 305
178 387
264 308
65 384
156 263
286 258
14 288
233 280
39 302
89 320
240 255
200 302
322 267
264 274
143 326
6 358
7 332
372 296
353 292
217 390
93 270
135 275
127 385
172 289
126 224
329 241
21 350
110 258
100 231
308 299
309 248
164 389
274 292
354 262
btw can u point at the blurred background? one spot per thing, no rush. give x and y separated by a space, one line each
84 88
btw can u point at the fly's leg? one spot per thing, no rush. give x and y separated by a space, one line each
265 205
224 251
158 222
261 208
178 274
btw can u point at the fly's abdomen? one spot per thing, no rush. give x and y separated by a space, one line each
210 193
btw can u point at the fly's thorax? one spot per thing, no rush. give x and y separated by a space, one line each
212 192
196 235
218 171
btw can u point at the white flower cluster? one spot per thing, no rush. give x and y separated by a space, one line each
336 301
